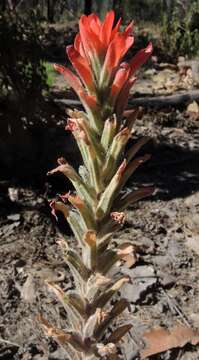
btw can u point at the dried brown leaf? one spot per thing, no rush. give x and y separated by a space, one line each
130 260
90 238
159 339
128 254
53 331
117 334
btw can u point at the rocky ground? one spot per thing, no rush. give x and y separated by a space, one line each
164 230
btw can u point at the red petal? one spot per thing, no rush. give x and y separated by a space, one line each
116 29
141 57
117 49
121 77
122 168
91 42
129 29
81 66
72 79
78 45
76 84
106 29
95 23
123 97
88 100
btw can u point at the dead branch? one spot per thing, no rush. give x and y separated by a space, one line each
174 100
157 102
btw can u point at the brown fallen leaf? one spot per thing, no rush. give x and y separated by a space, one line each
128 253
130 260
159 339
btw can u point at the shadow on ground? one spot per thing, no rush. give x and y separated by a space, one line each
172 169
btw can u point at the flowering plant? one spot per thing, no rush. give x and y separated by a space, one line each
95 211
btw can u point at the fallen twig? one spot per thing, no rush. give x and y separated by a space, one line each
174 100
157 102
9 342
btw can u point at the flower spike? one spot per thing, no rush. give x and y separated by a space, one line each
102 80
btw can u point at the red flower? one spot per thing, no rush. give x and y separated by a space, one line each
140 58
96 57
121 77
82 67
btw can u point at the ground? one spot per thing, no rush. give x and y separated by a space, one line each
164 230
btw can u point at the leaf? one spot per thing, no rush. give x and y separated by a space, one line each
114 153
84 210
80 186
110 257
70 298
108 195
91 324
75 261
136 147
107 259
132 166
63 337
90 251
109 132
101 300
116 310
93 139
77 225
131 116
130 198
79 271
108 227
88 152
119 333
75 220
95 284
159 339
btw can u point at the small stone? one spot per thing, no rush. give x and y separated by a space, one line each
14 217
28 293
8 229
13 194
166 280
143 277
193 107
192 200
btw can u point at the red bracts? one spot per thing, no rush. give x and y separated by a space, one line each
96 57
